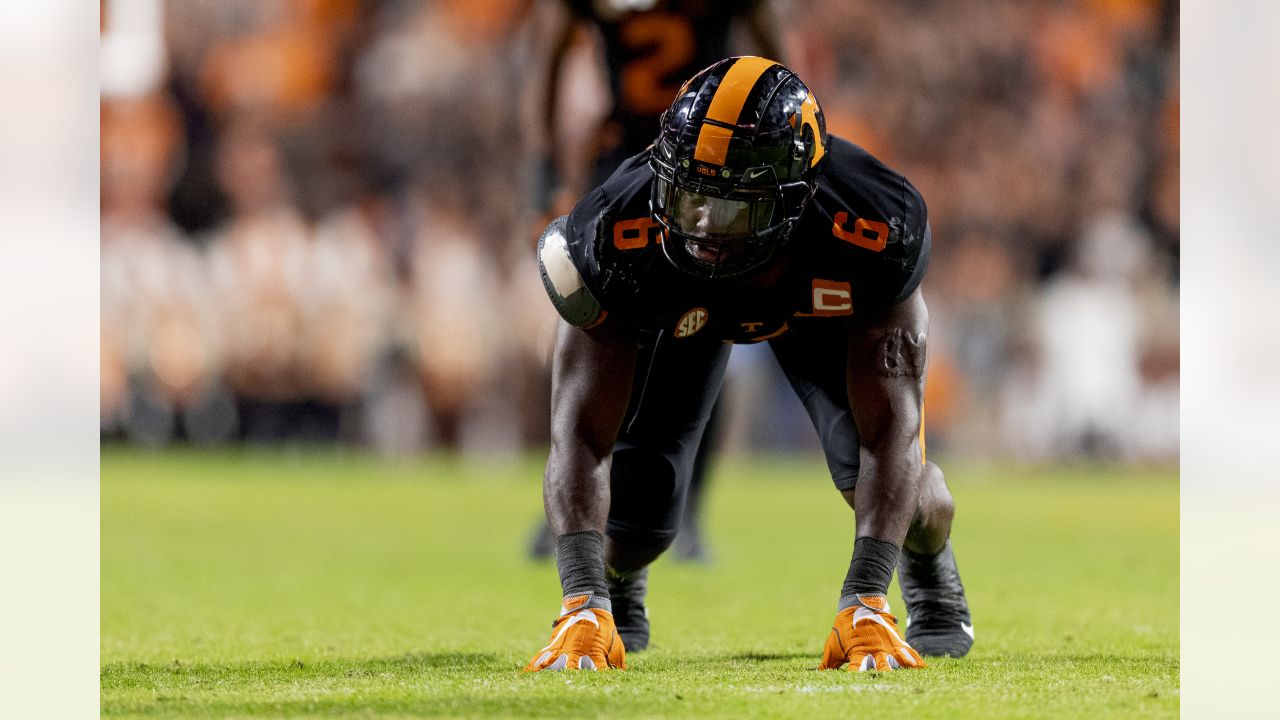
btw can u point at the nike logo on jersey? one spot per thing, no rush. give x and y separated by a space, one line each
753 174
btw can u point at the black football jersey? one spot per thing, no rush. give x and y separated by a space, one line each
862 242
651 51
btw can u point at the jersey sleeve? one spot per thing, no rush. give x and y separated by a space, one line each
880 224
588 276
893 274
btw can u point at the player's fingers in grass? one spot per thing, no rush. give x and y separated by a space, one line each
570 661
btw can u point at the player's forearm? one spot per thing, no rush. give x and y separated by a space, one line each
887 360
590 388
888 489
888 492
576 496
575 490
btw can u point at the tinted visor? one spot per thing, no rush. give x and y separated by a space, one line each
698 215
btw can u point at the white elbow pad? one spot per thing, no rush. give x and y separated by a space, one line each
561 278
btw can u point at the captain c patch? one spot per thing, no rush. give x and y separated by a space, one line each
832 298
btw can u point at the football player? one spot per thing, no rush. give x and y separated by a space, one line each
744 222
650 48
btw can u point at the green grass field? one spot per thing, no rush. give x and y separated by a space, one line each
288 584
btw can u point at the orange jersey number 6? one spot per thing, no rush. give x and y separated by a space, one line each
870 234
635 234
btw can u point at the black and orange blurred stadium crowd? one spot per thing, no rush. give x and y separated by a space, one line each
317 218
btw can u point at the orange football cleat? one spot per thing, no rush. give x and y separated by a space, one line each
866 637
582 638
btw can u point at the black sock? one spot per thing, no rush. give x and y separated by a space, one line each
870 570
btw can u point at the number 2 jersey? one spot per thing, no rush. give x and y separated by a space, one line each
862 243
652 48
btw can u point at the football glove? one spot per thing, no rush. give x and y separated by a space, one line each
866 637
582 638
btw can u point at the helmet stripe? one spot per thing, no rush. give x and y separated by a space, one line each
726 104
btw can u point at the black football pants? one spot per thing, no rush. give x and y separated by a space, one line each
676 383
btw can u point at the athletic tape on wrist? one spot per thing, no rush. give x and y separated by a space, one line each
580 561
870 570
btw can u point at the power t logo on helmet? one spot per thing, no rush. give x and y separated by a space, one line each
736 160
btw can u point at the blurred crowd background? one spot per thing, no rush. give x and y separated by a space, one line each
318 218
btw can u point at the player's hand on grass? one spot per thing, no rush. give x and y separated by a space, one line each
582 638
866 637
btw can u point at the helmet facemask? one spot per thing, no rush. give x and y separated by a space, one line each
716 231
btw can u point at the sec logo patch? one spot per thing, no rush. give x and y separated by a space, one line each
691 322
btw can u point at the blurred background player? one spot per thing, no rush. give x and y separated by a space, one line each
162 340
649 48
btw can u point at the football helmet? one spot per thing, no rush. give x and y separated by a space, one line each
736 161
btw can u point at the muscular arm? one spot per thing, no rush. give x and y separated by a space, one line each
887 354
560 29
591 385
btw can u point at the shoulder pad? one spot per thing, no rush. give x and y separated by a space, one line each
563 281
